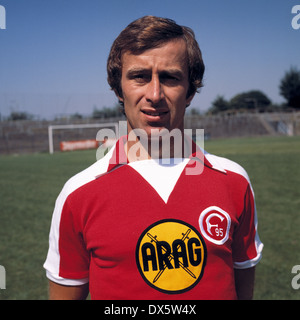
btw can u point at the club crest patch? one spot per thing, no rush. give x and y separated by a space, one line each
171 256
215 225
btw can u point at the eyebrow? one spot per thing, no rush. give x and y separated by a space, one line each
172 72
135 71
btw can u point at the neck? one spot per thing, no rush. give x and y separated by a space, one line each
162 144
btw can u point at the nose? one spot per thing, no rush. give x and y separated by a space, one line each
154 90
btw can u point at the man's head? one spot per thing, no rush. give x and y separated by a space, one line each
151 32
155 68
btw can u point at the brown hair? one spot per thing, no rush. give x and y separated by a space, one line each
150 32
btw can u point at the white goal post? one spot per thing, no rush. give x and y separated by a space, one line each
51 128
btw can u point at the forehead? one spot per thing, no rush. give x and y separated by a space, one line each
169 55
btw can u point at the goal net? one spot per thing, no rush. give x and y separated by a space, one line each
76 136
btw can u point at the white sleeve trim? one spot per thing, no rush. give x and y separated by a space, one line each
66 282
250 263
53 257
224 165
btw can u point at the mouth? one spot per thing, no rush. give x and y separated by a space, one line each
155 113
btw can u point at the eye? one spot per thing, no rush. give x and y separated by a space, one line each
139 77
169 79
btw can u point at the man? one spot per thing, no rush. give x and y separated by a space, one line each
134 227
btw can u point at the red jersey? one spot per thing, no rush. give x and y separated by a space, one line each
145 230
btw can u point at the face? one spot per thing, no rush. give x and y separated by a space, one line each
154 86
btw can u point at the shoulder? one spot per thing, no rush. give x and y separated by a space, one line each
89 174
226 165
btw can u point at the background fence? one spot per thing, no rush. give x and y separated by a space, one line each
32 136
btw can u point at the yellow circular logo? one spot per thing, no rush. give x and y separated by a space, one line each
171 256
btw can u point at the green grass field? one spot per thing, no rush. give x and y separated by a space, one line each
29 185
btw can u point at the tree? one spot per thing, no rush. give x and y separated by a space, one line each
254 99
106 112
193 112
76 116
219 105
290 87
16 115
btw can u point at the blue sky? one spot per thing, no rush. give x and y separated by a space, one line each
53 53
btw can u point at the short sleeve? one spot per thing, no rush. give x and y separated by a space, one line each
67 261
247 247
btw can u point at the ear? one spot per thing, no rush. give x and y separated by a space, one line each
189 99
119 96
121 101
